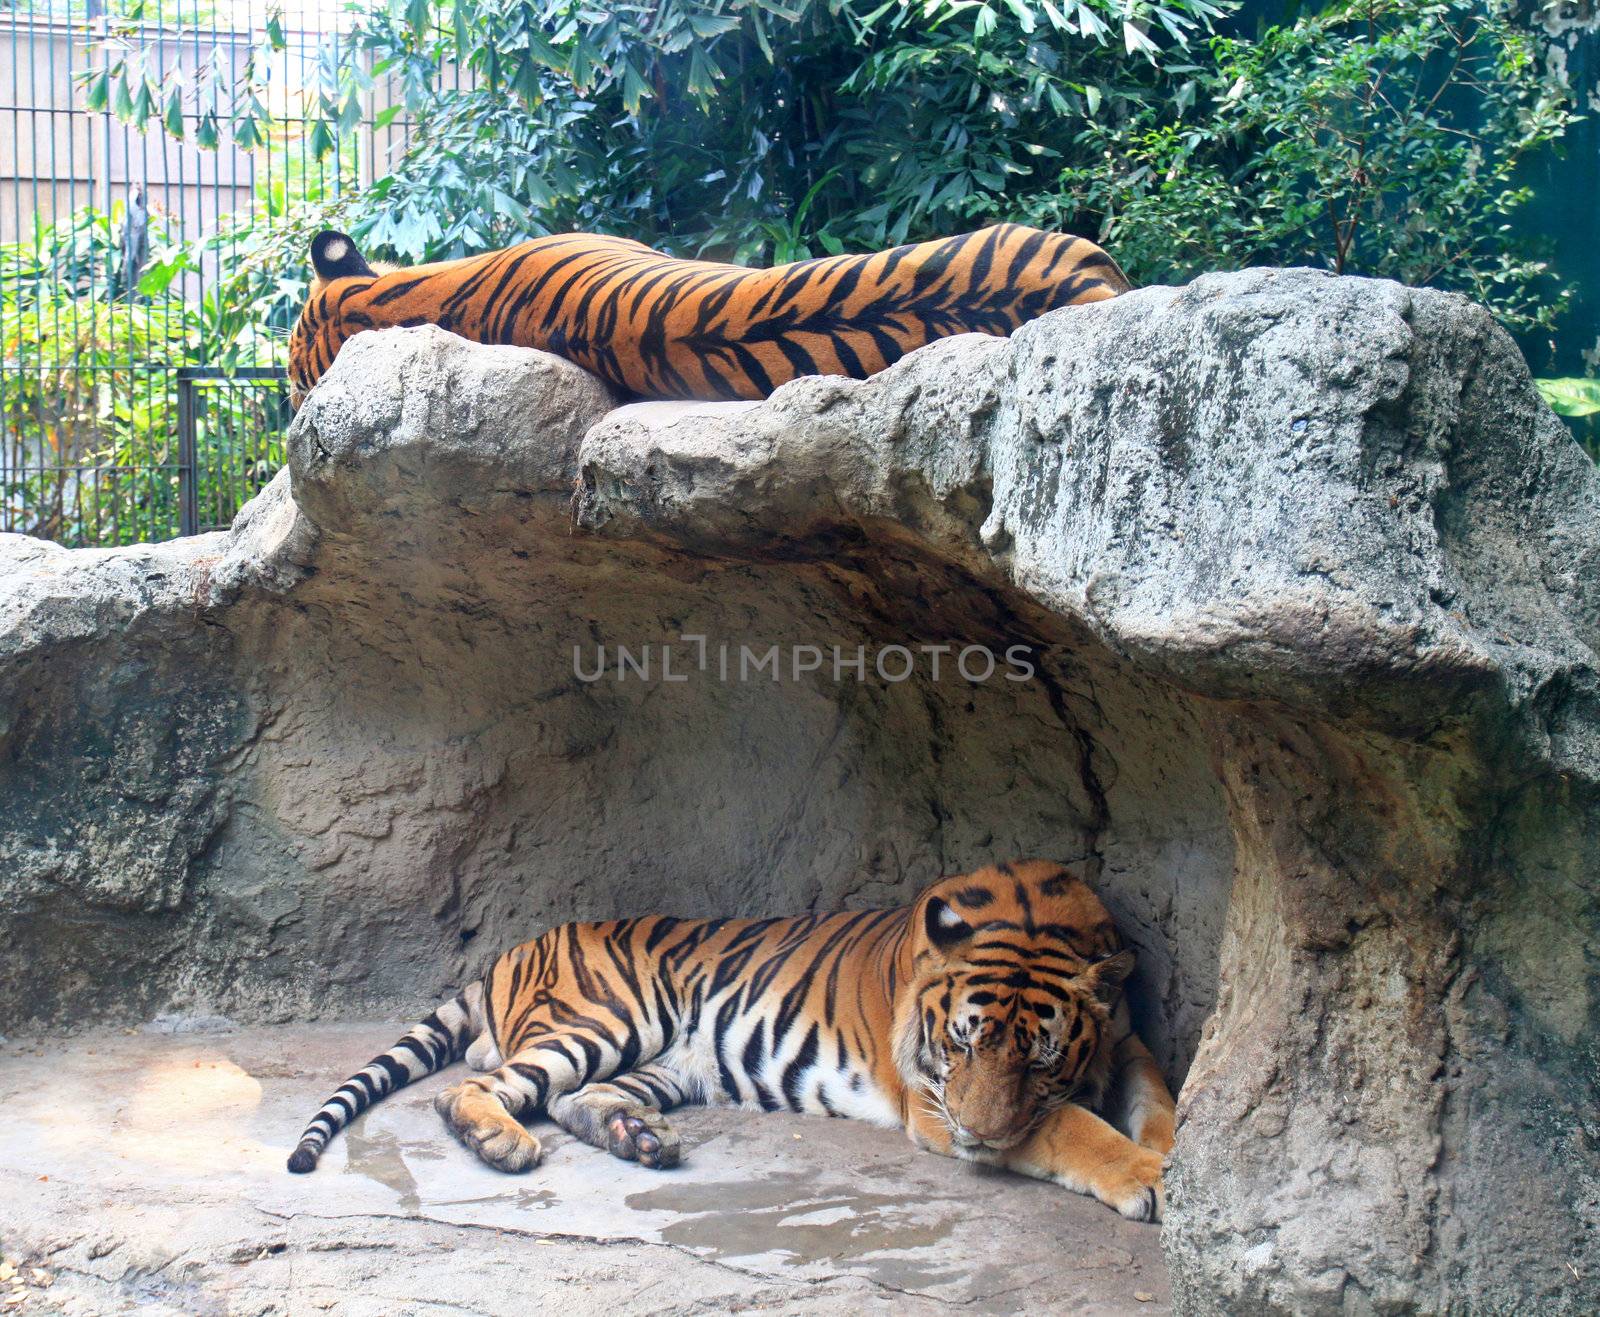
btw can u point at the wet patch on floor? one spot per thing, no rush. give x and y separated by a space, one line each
790 1218
378 1156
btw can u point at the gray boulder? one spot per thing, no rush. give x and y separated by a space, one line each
1302 583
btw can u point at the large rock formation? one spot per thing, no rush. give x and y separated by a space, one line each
1309 584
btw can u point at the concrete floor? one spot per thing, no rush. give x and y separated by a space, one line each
143 1172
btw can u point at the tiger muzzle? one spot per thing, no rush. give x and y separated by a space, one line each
988 1107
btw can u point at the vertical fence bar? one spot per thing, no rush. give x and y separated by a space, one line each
188 458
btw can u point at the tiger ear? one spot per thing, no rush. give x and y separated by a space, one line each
944 927
1107 976
334 256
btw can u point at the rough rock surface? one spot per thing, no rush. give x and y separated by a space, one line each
1311 582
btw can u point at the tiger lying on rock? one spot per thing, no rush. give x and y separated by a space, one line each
986 1019
658 327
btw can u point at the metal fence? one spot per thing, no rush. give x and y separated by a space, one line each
134 403
227 444
230 441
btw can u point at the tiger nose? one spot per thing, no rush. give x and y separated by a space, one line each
970 1135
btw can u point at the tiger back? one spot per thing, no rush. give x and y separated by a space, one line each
659 327
986 1019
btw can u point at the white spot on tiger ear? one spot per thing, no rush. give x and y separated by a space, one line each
948 918
335 250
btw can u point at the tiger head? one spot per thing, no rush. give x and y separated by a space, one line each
1015 974
318 333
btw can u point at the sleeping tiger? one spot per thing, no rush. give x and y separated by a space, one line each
986 1019
658 327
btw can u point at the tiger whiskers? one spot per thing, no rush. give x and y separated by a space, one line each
931 1098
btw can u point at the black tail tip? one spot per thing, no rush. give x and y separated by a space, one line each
334 256
303 1159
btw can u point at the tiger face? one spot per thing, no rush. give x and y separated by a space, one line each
1013 1002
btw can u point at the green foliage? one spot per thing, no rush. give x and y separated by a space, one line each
1571 397
90 410
1576 401
1378 137
705 125
225 95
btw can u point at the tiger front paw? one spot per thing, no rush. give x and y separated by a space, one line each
479 1120
1133 1188
640 1134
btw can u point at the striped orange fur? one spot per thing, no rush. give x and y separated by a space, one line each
658 327
986 1019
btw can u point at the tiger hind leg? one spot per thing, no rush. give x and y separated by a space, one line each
482 1054
486 1111
479 1118
623 1116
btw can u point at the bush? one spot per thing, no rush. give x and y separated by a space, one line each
1379 137
90 407
740 129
